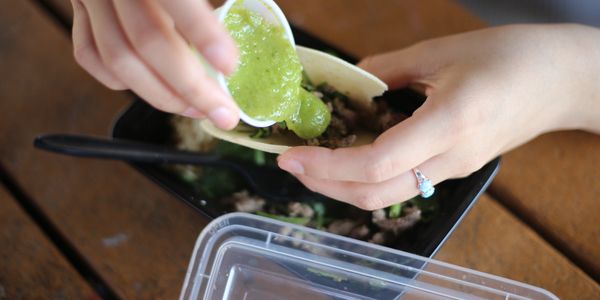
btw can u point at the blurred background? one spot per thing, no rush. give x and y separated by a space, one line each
496 12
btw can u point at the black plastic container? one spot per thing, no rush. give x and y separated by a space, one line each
143 123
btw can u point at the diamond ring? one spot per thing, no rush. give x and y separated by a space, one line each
424 184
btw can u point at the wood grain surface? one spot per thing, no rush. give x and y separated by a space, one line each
139 238
30 266
492 240
554 182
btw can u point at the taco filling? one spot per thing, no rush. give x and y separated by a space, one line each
346 119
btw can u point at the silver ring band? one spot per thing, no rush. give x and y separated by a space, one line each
424 185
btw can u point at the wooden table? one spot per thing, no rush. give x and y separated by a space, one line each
79 229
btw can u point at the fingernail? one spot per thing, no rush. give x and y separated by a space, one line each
219 55
223 118
191 112
292 166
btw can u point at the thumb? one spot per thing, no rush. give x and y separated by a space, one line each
401 67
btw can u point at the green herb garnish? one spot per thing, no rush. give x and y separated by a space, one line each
293 220
259 158
282 125
261 133
395 211
319 209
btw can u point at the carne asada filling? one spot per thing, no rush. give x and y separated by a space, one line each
345 119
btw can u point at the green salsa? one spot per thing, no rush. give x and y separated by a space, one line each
313 117
267 83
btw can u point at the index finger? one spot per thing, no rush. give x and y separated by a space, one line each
396 151
195 20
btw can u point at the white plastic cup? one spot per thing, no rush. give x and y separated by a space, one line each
272 14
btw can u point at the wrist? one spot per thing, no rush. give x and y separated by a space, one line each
582 109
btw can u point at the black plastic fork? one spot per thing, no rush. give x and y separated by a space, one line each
271 183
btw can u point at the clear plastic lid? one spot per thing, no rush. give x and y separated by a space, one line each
244 256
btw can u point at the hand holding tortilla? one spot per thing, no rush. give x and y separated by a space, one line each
488 91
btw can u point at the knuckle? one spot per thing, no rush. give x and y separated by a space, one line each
87 58
368 201
82 54
191 92
118 61
459 123
170 106
469 165
378 168
166 103
146 39
199 37
161 105
458 126
465 122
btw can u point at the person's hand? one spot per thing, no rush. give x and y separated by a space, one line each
145 46
488 91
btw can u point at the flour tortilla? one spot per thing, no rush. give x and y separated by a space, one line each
359 85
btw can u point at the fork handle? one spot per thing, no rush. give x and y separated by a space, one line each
87 146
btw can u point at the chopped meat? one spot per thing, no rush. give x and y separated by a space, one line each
411 215
349 228
298 209
312 142
378 238
329 106
386 117
190 136
349 116
337 127
243 201
341 227
285 230
378 215
332 143
360 232
389 119
277 129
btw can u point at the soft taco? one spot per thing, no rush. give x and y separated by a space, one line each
348 92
